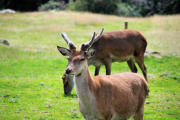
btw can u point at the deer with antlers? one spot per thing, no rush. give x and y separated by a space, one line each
104 97
116 46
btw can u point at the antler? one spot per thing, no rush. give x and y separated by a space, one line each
70 44
94 38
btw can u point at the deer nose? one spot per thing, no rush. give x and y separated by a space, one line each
68 71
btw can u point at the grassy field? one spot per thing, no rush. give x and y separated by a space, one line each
31 67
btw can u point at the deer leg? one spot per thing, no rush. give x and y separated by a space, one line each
132 66
108 63
139 114
97 69
140 61
116 117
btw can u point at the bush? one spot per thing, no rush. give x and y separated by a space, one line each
96 6
151 7
127 7
126 10
79 5
52 5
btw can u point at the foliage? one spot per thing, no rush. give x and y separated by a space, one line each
151 7
104 6
96 6
79 5
52 5
126 10
118 7
127 7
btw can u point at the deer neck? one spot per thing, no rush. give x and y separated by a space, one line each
87 100
84 84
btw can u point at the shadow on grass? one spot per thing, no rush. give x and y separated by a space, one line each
71 96
177 78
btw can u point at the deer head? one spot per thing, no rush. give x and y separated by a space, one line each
78 59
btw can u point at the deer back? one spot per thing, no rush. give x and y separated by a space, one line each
120 44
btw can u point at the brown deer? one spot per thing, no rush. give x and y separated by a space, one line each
104 97
68 84
117 46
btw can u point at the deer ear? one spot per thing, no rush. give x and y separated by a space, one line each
64 51
90 53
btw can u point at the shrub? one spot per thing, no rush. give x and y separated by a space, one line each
52 5
96 6
126 10
127 7
79 5
151 7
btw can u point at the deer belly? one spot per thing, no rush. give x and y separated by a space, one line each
94 62
121 58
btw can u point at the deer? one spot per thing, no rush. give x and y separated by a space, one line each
68 84
116 46
104 97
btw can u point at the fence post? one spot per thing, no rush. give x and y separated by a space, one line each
126 25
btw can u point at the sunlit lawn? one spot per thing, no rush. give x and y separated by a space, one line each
31 67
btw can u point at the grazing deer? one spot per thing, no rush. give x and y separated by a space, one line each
104 97
68 84
117 46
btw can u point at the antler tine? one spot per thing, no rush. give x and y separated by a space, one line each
99 35
87 45
92 39
65 37
70 44
95 38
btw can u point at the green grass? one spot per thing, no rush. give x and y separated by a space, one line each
31 67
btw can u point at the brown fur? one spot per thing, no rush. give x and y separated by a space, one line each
107 97
68 84
123 94
121 45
